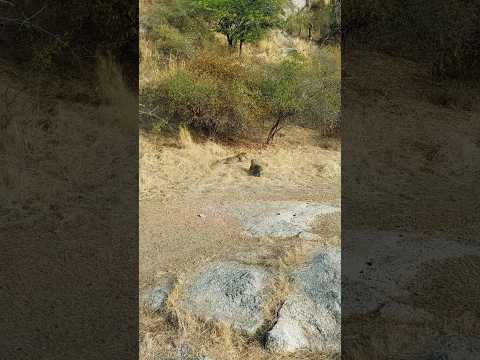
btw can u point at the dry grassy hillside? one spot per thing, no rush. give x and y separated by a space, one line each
411 155
411 138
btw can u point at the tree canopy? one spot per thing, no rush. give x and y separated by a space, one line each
243 20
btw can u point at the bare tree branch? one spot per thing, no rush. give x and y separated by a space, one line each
7 2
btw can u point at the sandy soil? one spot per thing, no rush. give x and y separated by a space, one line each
179 232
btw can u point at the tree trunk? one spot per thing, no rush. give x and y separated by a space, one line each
241 46
273 131
231 44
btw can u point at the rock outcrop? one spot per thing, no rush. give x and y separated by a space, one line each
310 317
230 292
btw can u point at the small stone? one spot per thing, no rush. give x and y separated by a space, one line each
184 352
155 300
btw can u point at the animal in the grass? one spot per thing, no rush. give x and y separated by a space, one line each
255 169
237 158
232 159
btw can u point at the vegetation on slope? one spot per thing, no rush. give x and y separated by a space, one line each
190 75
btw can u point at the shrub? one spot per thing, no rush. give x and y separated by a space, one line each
304 91
207 105
227 97
323 101
175 27
170 41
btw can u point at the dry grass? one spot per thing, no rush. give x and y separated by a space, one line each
41 144
194 166
439 146
153 67
185 138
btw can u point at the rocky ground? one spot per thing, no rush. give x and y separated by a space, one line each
235 266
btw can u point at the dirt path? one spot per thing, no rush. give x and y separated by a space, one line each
180 188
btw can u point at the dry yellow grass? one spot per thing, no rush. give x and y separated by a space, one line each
390 107
40 142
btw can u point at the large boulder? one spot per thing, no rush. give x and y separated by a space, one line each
386 268
230 292
310 317
279 218
415 285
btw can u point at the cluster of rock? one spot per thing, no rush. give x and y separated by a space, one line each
230 292
310 317
237 294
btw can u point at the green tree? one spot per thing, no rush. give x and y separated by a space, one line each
243 21
284 92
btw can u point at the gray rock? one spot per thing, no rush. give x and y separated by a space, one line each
279 218
397 260
308 236
310 317
389 277
230 292
299 4
155 300
361 299
402 313
184 351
